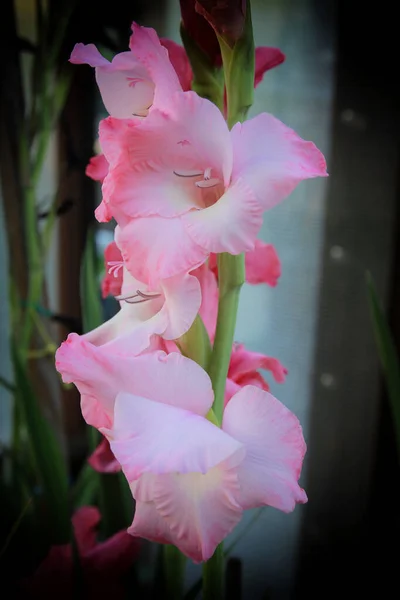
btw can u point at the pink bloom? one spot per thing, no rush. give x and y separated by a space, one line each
262 264
243 370
181 185
191 489
191 479
135 80
102 564
103 460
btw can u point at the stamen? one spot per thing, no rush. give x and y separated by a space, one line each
207 183
143 112
133 81
115 266
137 298
207 173
188 173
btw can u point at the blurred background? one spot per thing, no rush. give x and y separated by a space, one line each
338 87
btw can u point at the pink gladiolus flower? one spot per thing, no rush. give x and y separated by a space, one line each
191 480
103 460
243 370
191 489
181 185
102 564
135 80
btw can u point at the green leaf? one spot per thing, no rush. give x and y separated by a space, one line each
86 488
387 354
92 310
48 459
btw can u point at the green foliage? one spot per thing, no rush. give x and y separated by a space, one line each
387 354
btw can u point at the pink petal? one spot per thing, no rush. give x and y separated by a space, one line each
230 225
114 556
263 264
103 213
273 159
124 84
149 524
100 375
112 281
255 379
244 362
147 191
275 449
189 132
114 138
125 87
182 303
87 54
103 460
231 388
209 298
180 62
97 168
149 161
200 509
128 332
155 248
85 521
144 438
145 45
266 59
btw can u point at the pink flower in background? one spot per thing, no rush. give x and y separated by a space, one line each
262 264
265 59
181 185
134 80
180 61
243 370
101 564
103 460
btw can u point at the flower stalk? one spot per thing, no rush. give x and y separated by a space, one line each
238 63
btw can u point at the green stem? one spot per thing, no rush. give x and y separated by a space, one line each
213 576
231 274
174 571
